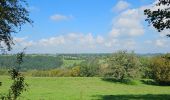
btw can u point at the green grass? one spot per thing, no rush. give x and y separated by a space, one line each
86 88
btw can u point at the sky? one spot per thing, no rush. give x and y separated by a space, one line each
89 26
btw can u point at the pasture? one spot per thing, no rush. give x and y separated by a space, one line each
86 88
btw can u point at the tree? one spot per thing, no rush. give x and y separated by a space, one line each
18 85
159 18
123 65
161 69
13 14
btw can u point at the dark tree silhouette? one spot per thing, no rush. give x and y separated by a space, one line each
13 14
160 18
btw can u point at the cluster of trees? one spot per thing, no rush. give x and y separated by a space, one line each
129 66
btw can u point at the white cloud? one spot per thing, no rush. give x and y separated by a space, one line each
59 17
114 32
52 41
112 43
17 40
73 36
130 44
148 41
160 43
87 38
22 42
99 39
121 5
125 26
164 33
128 23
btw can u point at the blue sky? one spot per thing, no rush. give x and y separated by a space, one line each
89 26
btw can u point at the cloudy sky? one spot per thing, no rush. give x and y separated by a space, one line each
90 26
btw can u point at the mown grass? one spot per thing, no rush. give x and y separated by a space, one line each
86 88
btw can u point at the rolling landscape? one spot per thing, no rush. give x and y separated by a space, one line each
84 50
62 76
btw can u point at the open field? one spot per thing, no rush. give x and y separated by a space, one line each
86 88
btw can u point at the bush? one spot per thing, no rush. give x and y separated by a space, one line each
161 69
89 68
75 71
58 72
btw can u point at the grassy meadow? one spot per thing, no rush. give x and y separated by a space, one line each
86 88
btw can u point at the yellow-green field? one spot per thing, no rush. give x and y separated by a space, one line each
86 88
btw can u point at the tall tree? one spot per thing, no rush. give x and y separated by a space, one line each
13 14
159 18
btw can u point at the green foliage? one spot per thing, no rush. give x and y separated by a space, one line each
18 85
145 67
123 65
13 15
75 71
160 18
161 69
59 72
89 68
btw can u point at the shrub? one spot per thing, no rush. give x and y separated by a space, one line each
75 71
89 68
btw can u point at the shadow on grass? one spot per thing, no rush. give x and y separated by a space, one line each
133 97
136 82
152 82
125 81
149 82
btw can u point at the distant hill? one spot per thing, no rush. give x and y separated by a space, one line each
31 62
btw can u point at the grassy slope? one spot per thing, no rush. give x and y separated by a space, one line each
70 88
